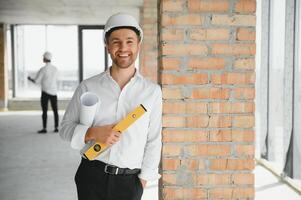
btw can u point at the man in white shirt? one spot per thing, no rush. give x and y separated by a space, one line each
47 77
122 171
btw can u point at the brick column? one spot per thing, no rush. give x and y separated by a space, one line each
208 62
149 50
3 83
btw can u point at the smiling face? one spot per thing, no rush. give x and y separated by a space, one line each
123 46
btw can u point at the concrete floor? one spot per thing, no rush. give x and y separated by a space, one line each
268 187
38 166
35 167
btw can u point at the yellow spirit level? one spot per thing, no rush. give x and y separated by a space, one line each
92 149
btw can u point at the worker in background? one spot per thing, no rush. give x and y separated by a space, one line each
122 171
47 78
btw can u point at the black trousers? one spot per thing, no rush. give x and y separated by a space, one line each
44 104
94 184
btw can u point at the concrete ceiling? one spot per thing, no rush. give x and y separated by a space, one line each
64 11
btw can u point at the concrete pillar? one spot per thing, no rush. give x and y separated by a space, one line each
3 71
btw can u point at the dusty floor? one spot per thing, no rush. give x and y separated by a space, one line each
38 166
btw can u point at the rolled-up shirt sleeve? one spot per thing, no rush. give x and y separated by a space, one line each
152 154
78 139
71 129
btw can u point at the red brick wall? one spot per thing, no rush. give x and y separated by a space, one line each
207 62
149 51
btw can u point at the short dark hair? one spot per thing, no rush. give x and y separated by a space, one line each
122 27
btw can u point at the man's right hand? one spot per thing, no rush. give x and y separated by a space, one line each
103 134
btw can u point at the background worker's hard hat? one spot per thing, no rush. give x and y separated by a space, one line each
47 55
120 20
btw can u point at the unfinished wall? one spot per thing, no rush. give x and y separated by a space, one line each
149 51
207 54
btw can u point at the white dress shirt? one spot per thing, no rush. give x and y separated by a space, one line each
47 77
140 145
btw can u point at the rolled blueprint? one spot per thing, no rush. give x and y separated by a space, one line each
89 102
88 106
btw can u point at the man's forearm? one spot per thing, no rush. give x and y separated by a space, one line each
32 80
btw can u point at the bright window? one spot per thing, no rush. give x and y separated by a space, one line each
93 52
31 41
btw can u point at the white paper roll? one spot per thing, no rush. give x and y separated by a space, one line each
89 103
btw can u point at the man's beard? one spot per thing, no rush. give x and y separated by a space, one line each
123 64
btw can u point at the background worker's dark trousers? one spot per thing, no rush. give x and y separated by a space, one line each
44 103
94 184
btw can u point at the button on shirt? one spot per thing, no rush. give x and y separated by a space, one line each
139 145
47 77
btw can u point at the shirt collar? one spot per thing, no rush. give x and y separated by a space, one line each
136 75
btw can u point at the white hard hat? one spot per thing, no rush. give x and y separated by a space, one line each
119 20
47 55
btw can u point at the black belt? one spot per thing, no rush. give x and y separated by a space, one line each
111 169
